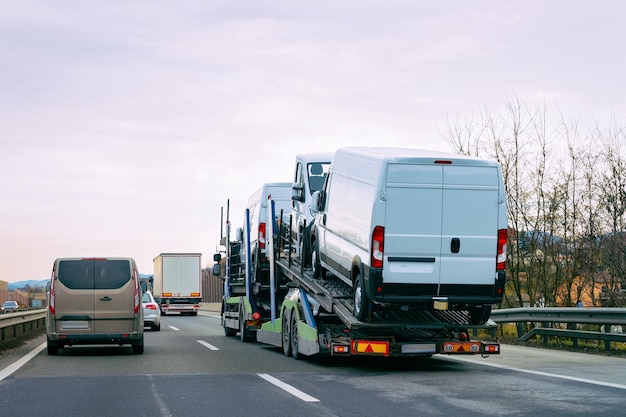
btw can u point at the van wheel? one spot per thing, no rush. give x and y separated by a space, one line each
138 347
305 256
318 271
53 347
479 315
361 302
286 333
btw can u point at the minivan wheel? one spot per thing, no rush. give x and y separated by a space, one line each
53 347
138 347
361 302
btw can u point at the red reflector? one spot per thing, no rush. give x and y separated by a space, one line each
256 315
443 161
379 290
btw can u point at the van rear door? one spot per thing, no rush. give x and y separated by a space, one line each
74 300
114 296
469 228
413 216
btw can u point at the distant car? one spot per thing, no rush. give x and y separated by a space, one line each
10 305
151 311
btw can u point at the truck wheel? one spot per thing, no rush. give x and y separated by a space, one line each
361 302
228 331
286 333
244 333
293 335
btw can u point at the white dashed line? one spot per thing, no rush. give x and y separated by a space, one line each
174 328
291 390
207 344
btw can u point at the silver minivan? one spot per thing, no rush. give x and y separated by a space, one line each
94 301
413 229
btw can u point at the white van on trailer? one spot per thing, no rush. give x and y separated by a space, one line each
310 174
413 229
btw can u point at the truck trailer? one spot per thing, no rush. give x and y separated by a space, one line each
308 313
177 283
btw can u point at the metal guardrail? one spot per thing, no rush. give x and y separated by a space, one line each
15 325
568 315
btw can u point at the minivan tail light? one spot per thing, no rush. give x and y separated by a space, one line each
137 298
262 235
378 247
502 247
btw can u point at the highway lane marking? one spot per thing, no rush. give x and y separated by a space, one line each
540 373
174 328
207 344
291 390
22 361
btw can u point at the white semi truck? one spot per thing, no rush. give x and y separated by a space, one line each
177 285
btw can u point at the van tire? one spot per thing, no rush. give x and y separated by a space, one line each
53 347
361 302
318 271
138 347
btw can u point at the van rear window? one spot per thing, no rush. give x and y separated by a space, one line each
96 274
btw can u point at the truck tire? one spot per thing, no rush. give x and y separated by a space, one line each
286 332
244 333
361 302
293 335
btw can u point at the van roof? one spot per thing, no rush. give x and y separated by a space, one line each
315 157
392 154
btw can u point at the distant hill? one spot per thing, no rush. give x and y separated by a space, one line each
42 283
32 282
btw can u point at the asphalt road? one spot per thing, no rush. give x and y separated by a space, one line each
190 368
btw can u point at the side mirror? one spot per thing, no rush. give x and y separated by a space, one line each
316 202
297 193
217 270
217 257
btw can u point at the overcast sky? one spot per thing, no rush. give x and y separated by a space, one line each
126 125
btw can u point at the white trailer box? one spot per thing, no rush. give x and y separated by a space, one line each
178 282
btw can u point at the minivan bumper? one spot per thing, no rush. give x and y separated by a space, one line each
96 339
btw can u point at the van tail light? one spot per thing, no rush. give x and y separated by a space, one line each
502 247
262 235
378 247
137 298
51 302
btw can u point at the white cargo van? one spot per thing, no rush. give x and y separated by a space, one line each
259 204
413 229
310 174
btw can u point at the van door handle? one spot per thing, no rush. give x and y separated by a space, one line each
455 245
105 298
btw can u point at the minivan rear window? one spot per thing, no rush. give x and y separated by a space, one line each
89 274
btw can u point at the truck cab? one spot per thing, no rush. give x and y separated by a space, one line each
310 174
